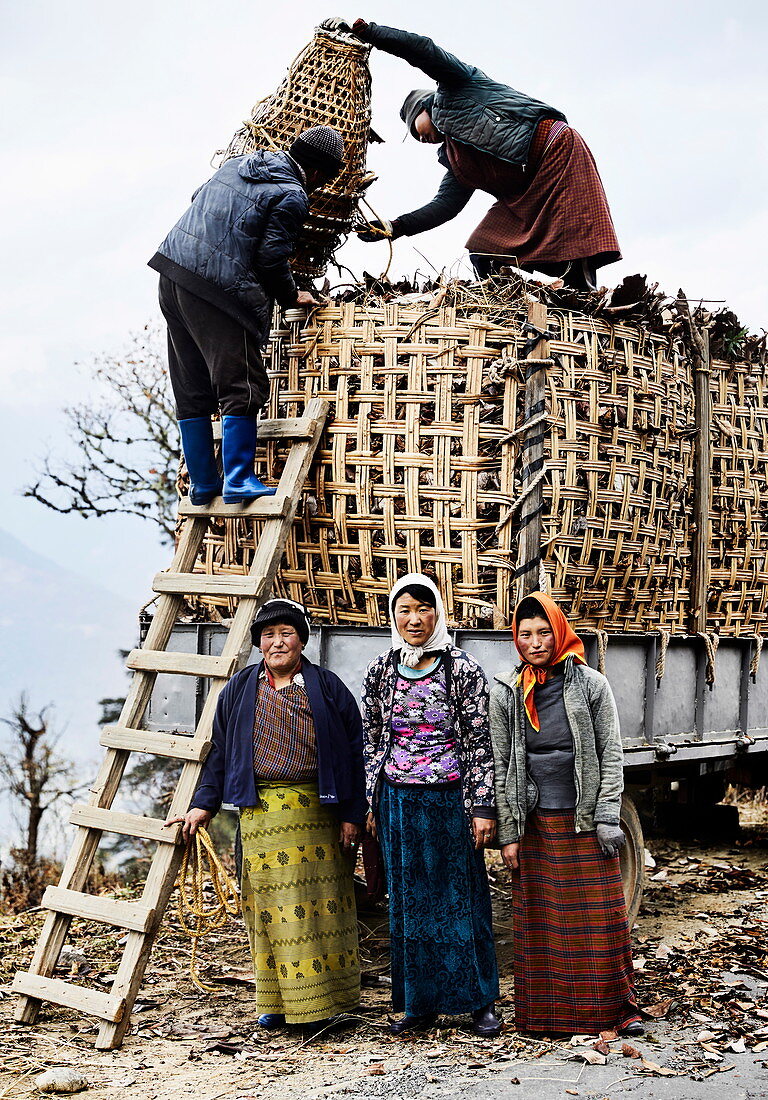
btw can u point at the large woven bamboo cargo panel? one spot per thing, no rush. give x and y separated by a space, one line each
738 558
422 468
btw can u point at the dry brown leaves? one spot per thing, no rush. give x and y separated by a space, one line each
634 300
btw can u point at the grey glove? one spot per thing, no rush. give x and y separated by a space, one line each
335 23
610 838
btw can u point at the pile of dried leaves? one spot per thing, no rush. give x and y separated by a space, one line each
701 957
634 300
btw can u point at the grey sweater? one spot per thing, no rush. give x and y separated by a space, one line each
598 752
549 750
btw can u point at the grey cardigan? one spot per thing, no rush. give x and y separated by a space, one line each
598 752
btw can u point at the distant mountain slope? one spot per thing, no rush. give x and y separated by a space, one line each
59 637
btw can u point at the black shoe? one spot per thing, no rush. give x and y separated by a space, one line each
636 1028
413 1023
485 1022
270 1020
316 1026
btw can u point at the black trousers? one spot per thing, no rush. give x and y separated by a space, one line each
214 362
576 274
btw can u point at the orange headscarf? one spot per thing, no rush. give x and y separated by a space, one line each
567 644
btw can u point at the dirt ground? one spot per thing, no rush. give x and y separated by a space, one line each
700 943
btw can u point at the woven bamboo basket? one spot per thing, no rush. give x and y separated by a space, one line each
328 84
421 468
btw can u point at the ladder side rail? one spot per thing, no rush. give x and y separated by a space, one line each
80 859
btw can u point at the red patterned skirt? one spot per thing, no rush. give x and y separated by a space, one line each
554 211
573 961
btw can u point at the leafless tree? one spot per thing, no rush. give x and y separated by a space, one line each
127 438
33 773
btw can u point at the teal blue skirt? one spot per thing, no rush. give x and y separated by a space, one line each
440 923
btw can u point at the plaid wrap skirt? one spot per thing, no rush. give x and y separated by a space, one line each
553 212
573 961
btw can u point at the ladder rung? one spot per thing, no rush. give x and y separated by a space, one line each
289 427
103 1005
203 584
188 664
115 821
262 508
174 745
130 915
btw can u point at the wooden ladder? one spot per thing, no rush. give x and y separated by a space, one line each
141 919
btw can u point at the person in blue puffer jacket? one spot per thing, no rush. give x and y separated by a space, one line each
221 268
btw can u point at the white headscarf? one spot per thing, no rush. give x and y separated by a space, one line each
440 638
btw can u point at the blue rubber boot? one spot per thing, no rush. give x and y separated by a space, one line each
238 450
197 442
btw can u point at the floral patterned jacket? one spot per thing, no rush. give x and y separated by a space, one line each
468 694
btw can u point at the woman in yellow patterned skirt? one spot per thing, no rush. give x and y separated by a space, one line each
287 749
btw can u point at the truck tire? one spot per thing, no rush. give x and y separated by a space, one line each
632 858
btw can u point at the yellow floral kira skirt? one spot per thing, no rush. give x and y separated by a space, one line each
299 905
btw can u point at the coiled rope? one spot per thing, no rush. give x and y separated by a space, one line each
197 920
711 642
661 657
602 646
754 664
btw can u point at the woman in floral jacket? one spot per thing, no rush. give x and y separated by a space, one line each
430 786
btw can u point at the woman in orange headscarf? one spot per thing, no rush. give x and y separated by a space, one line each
559 778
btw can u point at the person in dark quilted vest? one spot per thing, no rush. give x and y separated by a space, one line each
221 268
550 215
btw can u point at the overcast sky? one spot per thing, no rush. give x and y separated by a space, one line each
112 112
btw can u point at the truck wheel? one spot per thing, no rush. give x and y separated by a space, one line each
632 858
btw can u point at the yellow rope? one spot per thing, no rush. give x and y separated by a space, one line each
711 642
195 919
602 646
375 229
661 659
754 664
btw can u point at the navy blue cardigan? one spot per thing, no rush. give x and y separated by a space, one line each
227 774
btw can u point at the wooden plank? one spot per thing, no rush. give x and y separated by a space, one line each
131 915
203 584
161 879
262 508
115 821
173 745
187 664
290 427
103 1005
532 460
702 486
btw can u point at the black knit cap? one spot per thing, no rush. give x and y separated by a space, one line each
420 99
280 611
319 149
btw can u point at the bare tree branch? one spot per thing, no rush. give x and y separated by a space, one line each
128 441
32 772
